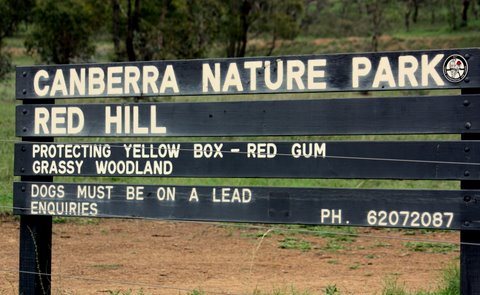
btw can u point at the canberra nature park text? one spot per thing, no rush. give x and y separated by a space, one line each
307 74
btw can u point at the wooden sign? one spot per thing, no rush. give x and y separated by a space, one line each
420 114
328 159
358 207
39 121
309 73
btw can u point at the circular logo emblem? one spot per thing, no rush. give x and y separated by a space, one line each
455 68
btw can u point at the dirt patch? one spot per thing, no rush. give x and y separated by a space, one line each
171 258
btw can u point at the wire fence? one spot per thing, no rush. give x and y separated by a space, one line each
276 154
276 228
266 228
128 283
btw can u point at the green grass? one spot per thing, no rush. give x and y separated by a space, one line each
431 247
294 243
331 290
107 266
333 246
355 266
448 285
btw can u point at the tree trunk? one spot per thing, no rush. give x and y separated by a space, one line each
475 9
432 18
133 18
452 14
160 36
233 30
466 4
375 10
238 36
273 43
415 11
116 29
408 13
245 12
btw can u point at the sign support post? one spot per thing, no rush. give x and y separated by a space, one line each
36 240
469 239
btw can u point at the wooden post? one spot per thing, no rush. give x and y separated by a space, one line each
35 254
470 239
35 241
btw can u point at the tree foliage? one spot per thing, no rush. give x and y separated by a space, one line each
62 30
246 19
164 29
190 28
12 12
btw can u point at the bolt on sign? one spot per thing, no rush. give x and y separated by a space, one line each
38 121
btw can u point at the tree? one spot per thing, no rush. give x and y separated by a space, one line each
375 9
432 6
452 14
116 29
466 4
133 24
12 12
269 19
416 6
408 13
313 8
163 29
191 27
237 22
280 20
62 31
412 12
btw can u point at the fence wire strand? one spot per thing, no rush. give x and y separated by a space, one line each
271 228
244 225
141 284
115 145
104 281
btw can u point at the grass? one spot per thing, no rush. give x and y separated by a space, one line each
75 220
294 243
337 237
431 247
448 285
331 290
355 266
107 266
333 246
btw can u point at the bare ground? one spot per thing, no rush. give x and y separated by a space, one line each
155 257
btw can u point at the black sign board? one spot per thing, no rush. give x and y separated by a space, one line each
421 114
39 120
328 159
380 208
456 68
